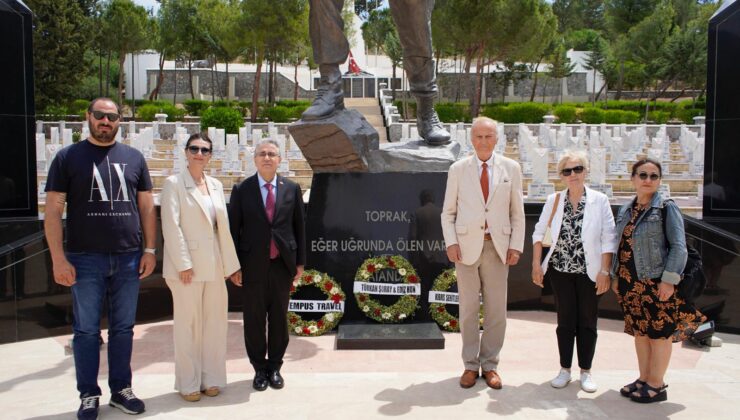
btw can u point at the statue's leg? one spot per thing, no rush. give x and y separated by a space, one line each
413 20
330 49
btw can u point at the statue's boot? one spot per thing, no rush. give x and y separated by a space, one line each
330 97
427 122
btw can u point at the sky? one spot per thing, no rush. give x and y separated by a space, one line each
148 4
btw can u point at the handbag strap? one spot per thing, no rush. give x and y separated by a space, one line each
554 209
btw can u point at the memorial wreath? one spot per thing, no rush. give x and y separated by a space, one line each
329 320
406 304
439 312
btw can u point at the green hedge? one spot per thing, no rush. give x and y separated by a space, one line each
147 112
278 114
613 116
196 106
565 113
591 115
229 119
451 112
523 112
659 117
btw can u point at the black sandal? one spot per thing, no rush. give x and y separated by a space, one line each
644 394
628 389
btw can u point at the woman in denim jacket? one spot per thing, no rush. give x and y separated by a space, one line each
645 271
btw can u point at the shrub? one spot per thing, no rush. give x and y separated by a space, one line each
686 115
615 116
591 115
289 103
659 117
450 112
148 111
195 106
565 113
229 119
528 112
411 108
53 113
278 114
78 107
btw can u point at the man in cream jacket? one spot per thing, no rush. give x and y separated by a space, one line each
483 226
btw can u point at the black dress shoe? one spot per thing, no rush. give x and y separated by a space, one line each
260 380
276 380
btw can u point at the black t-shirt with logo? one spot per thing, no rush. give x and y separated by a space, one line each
101 185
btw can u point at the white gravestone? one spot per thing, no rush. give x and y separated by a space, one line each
67 137
40 152
243 137
617 166
598 171
54 135
540 162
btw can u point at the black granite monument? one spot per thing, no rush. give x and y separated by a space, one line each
18 159
722 148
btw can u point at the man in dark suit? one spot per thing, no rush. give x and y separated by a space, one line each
267 223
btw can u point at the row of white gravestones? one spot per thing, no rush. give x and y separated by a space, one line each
693 147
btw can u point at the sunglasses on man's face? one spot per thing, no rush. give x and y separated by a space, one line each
99 115
644 175
203 150
567 171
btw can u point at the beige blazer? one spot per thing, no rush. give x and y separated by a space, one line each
464 213
189 237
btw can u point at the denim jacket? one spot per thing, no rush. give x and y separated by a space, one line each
657 254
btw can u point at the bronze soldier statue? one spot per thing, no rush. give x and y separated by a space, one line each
330 49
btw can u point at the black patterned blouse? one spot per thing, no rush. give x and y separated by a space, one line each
568 255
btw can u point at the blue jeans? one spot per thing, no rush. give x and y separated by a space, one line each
101 276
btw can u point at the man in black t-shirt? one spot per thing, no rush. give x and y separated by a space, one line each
110 215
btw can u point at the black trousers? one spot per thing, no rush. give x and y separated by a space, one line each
266 316
577 307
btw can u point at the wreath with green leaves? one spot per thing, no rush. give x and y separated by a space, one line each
332 289
406 304
439 312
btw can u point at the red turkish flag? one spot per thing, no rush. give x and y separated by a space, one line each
353 67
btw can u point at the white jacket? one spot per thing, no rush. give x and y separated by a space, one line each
597 233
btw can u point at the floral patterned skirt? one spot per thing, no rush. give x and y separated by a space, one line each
645 314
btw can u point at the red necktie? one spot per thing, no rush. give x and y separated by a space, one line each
270 210
484 185
484 181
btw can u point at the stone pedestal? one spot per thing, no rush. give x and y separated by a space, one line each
340 143
413 156
390 337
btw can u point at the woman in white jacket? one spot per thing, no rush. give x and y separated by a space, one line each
577 264
198 255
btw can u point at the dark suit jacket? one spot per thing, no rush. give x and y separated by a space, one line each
252 231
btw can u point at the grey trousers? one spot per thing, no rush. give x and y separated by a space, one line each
413 21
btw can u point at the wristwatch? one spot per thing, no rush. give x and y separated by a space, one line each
152 251
604 272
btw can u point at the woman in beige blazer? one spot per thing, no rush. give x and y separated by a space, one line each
198 255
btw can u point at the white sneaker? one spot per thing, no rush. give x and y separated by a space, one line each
562 380
587 382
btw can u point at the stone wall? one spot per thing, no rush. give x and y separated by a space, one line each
456 87
205 87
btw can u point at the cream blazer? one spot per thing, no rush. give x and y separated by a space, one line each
464 213
189 236
597 232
